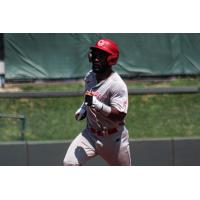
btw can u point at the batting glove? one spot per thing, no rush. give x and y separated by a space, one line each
91 100
98 105
80 114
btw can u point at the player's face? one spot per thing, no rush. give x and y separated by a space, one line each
99 61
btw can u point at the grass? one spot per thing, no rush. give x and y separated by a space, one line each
79 84
164 116
148 115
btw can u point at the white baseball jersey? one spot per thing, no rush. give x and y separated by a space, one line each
112 92
114 149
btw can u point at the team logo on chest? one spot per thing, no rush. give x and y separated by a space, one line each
97 94
92 93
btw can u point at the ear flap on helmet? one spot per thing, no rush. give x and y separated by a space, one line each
112 60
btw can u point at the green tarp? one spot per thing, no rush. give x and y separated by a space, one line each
56 55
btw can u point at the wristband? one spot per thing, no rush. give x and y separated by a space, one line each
101 107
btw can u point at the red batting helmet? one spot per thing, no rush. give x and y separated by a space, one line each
110 47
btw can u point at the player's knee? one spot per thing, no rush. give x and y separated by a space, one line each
69 162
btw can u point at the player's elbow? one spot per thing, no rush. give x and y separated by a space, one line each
116 115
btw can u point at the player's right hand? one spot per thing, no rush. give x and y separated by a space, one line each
80 114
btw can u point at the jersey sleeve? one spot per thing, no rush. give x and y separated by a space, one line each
119 97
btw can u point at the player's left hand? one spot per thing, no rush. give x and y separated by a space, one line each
91 100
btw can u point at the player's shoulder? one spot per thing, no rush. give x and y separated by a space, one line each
118 81
118 85
89 75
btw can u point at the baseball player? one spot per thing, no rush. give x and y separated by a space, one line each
105 106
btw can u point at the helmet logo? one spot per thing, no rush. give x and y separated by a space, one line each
100 43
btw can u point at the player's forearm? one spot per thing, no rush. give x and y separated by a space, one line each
108 111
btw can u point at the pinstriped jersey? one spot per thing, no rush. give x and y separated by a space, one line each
112 92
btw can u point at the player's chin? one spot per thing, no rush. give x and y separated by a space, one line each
96 68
